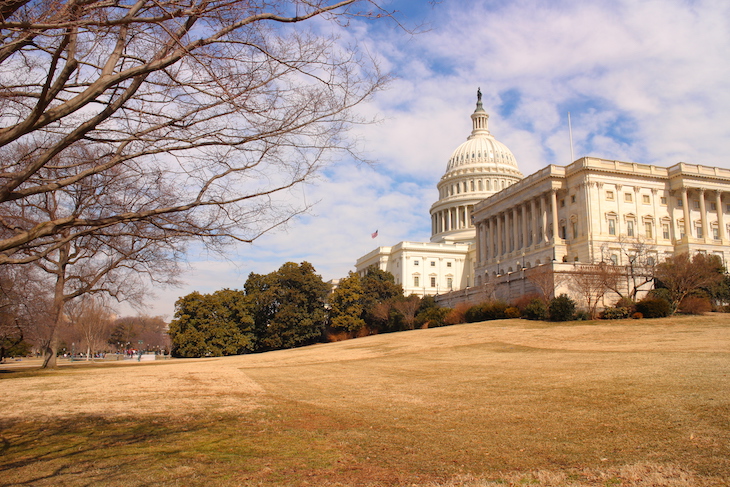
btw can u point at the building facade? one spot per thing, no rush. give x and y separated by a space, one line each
590 210
491 228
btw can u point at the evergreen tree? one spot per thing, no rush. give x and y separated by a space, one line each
212 325
288 306
379 289
346 304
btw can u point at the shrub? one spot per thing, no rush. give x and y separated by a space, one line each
512 312
536 310
695 305
582 315
637 316
654 307
627 303
561 308
614 313
660 293
523 301
490 310
432 317
456 315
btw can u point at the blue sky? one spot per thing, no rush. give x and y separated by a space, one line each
644 81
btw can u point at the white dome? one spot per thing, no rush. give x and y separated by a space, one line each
484 150
477 169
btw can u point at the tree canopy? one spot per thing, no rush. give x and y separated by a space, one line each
212 325
288 306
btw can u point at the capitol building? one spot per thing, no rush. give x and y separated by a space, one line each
491 226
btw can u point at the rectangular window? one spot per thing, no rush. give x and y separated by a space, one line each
696 204
609 195
679 203
715 233
562 203
433 263
713 206
665 231
416 281
628 198
415 262
572 198
648 230
448 264
699 231
630 228
433 282
575 230
646 199
449 282
611 226
664 200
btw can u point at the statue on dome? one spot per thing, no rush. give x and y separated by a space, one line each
479 94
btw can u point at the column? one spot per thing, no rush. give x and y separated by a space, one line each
480 239
523 207
533 208
500 246
703 214
485 242
685 208
554 204
543 216
720 216
515 230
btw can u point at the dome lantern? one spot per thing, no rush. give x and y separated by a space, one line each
480 118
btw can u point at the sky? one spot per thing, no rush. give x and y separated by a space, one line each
644 81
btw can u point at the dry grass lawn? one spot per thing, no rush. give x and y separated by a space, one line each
512 402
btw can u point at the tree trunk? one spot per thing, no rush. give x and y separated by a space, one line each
58 308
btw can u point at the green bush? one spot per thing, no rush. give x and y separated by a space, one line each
536 310
491 310
615 313
654 307
627 303
432 317
582 315
561 308
660 293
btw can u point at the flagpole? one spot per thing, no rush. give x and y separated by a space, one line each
570 131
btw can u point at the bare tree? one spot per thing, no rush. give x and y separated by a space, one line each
545 280
637 263
408 307
24 307
220 106
92 318
591 282
108 261
682 274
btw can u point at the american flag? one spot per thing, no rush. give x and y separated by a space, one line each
374 234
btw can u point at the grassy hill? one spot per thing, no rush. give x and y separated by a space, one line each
510 402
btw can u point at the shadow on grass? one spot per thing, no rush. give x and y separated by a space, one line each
99 451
